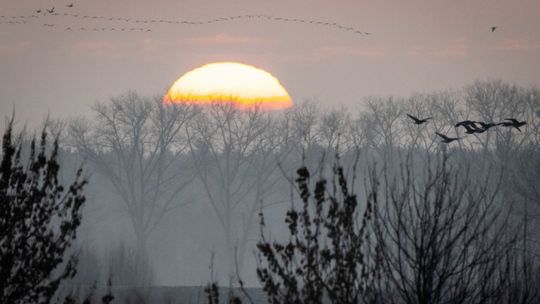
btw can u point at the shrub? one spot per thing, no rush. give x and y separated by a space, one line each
39 218
327 255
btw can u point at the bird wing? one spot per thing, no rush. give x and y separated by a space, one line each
461 123
414 118
469 129
513 120
442 135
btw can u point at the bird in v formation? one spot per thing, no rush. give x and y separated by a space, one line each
334 24
471 126
71 5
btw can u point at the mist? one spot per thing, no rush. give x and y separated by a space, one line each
177 188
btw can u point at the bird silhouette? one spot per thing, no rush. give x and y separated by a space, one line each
486 125
69 5
516 122
505 124
512 122
493 28
464 123
446 139
470 127
38 11
50 11
418 121
478 129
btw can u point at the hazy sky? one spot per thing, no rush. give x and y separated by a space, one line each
420 45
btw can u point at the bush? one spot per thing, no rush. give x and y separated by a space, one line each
39 218
327 256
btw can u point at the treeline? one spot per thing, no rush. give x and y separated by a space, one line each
426 214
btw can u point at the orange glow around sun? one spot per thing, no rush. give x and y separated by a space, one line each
242 85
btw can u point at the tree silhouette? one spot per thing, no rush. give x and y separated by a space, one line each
234 153
444 236
39 218
136 144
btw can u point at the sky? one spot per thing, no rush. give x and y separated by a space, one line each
413 46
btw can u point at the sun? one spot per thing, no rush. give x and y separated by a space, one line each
242 85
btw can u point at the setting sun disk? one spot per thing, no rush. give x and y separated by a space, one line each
242 85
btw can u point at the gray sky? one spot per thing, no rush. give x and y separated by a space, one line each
415 46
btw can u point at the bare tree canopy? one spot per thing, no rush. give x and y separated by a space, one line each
137 143
236 154
444 236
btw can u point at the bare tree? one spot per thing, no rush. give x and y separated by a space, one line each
494 101
305 122
515 151
521 270
274 150
236 153
137 144
443 235
383 116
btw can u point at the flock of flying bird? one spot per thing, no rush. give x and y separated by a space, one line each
471 126
53 12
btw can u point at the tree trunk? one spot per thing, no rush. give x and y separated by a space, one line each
143 269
